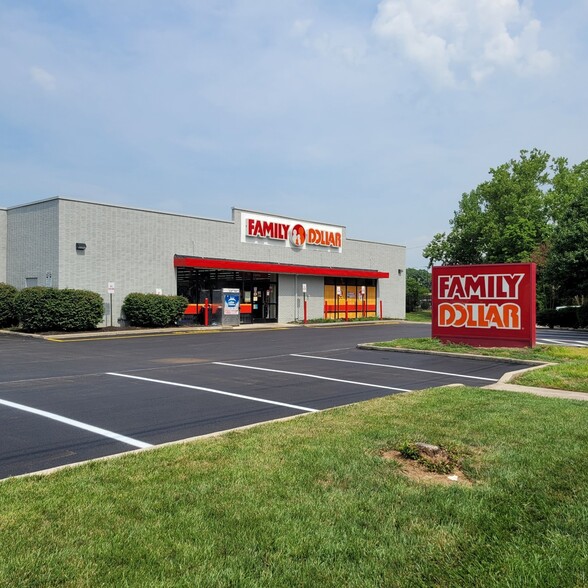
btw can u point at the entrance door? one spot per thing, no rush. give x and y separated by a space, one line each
264 307
258 302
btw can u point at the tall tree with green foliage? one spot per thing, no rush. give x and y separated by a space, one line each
567 262
418 284
530 210
502 220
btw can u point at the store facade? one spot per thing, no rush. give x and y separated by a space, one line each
275 262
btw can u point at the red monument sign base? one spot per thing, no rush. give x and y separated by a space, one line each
489 305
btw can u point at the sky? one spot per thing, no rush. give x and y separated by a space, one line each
374 115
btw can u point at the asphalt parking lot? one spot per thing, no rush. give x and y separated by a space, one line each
67 402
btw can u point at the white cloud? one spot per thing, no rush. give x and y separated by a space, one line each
301 26
339 46
345 44
457 40
43 78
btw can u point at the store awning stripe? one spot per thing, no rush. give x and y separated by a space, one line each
276 268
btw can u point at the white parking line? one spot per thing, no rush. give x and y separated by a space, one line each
565 342
77 424
396 367
213 391
250 367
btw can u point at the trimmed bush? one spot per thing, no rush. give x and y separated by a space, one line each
583 316
568 316
8 316
547 318
49 309
153 310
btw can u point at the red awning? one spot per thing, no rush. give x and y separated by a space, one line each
276 268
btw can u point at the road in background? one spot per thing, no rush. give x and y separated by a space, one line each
560 337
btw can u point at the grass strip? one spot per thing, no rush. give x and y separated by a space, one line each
311 502
419 316
571 373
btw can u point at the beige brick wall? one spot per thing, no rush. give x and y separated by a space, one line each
3 242
32 245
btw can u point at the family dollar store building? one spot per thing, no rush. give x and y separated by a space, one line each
275 262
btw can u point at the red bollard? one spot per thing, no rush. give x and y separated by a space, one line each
381 310
305 311
346 312
206 312
325 310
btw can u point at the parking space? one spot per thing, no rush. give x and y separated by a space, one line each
186 389
33 442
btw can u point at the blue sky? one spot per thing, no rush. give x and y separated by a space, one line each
375 115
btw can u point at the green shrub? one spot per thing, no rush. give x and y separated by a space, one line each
30 305
153 310
571 317
568 317
583 316
8 316
49 309
547 318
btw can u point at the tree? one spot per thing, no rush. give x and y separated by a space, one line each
504 219
567 262
418 284
567 184
532 209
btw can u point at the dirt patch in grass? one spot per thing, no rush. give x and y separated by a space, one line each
419 472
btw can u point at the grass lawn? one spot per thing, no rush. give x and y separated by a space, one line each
571 373
311 502
419 316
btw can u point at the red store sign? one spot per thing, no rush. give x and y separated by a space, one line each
485 305
294 234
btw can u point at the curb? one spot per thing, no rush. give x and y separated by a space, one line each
147 332
190 330
17 334
376 347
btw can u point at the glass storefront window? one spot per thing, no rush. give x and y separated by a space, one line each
350 298
259 291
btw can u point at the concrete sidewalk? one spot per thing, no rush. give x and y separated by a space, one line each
138 332
550 393
183 330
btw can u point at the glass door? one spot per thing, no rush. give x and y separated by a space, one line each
264 302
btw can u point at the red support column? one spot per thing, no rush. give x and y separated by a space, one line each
325 310
206 312
346 312
381 310
305 310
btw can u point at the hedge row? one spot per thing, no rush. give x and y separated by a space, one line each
8 316
49 309
153 310
574 317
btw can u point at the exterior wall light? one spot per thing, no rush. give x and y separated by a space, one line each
80 247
